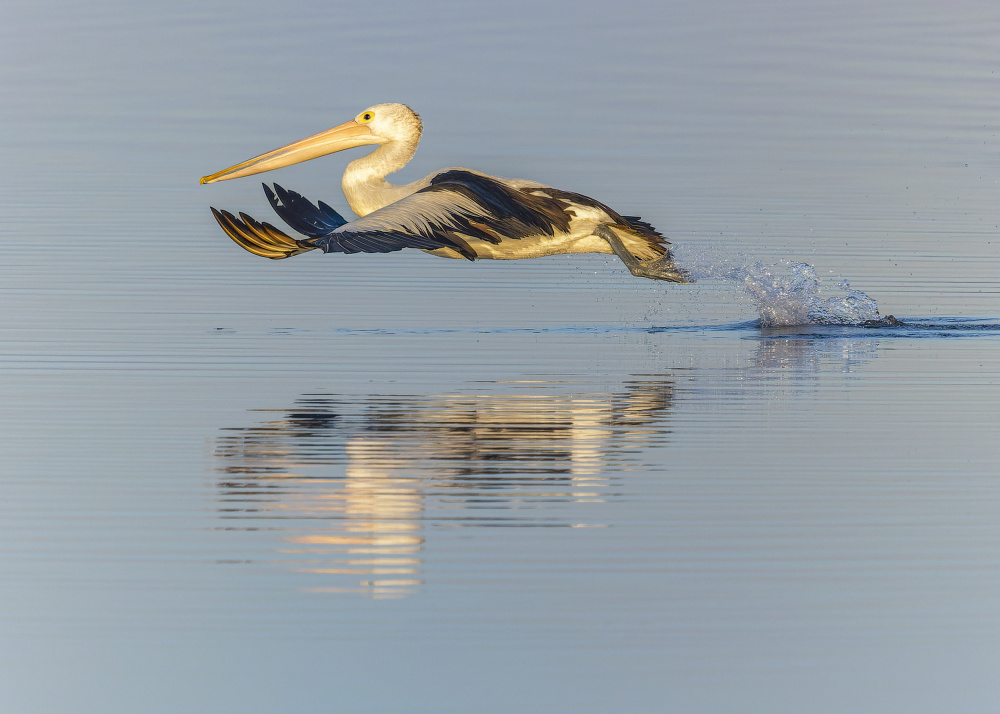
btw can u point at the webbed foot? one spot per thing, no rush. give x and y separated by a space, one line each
660 269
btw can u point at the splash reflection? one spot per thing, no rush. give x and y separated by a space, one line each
787 352
357 481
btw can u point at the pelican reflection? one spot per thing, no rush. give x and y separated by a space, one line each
356 481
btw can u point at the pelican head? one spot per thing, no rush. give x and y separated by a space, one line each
377 125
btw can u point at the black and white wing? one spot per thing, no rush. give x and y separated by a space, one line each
455 206
321 224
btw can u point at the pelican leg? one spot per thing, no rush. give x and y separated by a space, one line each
662 268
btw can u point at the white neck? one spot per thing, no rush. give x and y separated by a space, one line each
364 181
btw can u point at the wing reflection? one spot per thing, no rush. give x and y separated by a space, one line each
356 481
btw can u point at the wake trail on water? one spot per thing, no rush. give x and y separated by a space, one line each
791 293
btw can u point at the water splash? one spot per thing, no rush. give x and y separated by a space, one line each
798 297
791 293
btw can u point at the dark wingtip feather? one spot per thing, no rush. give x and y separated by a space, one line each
301 215
261 239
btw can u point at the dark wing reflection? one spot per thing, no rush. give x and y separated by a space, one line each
361 475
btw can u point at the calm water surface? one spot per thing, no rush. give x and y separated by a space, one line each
398 483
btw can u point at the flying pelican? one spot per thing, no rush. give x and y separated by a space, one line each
455 213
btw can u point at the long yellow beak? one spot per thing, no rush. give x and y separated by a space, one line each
345 136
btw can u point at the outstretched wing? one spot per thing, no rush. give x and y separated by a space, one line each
267 241
455 206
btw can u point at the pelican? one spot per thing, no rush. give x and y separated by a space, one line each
454 213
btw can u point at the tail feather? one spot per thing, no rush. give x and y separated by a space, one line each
642 240
645 229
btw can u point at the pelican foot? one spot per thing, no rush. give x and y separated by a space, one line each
660 269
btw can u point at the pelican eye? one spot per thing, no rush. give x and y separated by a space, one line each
365 117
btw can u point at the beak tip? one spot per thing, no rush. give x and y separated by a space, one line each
204 179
